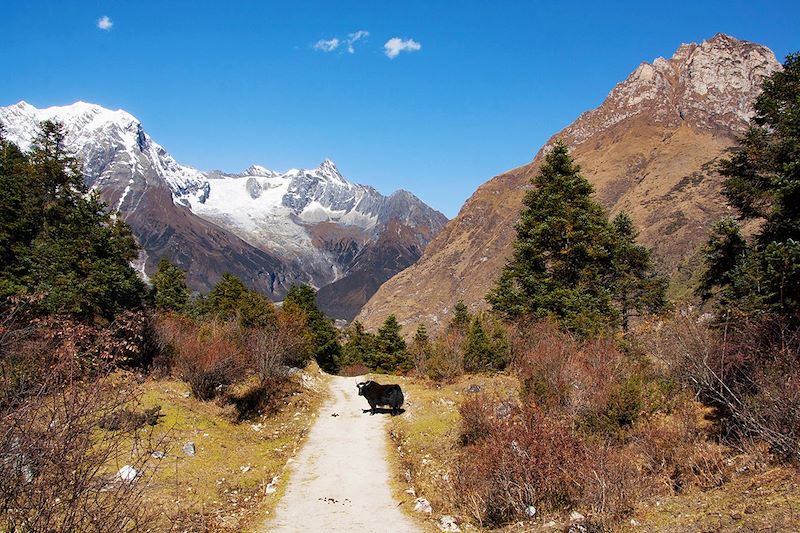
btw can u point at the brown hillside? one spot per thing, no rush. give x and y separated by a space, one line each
650 149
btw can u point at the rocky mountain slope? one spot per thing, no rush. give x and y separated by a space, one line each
650 149
269 228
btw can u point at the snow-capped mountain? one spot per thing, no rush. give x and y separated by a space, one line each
270 228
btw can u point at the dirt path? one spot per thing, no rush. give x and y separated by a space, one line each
340 479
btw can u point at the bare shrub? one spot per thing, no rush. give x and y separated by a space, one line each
477 414
525 459
543 357
207 355
274 347
620 429
446 360
57 468
257 397
748 370
357 369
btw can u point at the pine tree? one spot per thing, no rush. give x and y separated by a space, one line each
389 338
223 300
762 181
358 345
390 348
461 318
421 336
256 311
725 249
420 349
59 240
325 336
636 285
477 349
563 253
169 287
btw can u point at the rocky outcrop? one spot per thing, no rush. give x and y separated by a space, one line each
650 149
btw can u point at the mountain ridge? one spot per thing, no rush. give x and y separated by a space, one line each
258 223
650 149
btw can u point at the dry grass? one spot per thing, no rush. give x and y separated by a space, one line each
223 487
759 498
425 438
666 457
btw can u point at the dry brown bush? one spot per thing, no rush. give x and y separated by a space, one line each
748 370
207 355
446 359
354 370
57 469
270 349
604 428
525 458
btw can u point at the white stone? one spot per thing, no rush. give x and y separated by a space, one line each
421 505
127 473
189 449
448 523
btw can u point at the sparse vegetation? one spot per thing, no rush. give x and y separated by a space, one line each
90 414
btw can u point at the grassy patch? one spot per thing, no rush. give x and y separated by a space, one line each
767 499
224 485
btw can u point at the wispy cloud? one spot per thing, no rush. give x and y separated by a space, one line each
395 45
104 23
353 38
348 43
327 45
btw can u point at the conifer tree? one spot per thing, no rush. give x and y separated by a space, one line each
636 285
358 345
223 300
256 311
477 349
420 348
59 240
325 336
390 348
389 338
421 336
762 181
169 287
563 253
461 318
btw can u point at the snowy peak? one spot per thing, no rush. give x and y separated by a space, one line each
327 170
258 170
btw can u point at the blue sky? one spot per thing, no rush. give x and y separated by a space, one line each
222 85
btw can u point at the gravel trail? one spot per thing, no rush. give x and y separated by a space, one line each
340 479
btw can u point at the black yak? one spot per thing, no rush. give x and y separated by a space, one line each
377 394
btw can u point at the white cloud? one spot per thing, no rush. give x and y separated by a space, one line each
395 45
104 23
327 45
353 37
